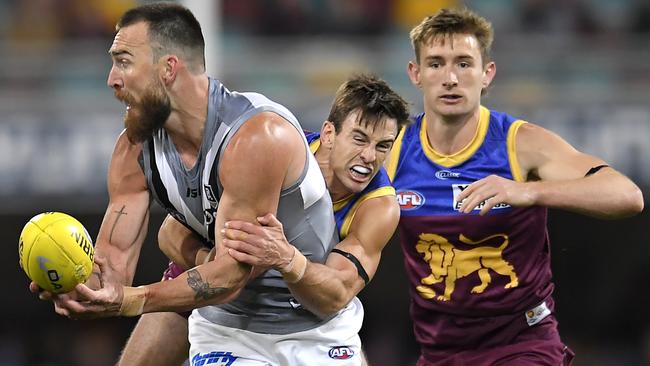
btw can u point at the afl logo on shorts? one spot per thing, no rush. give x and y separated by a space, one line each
341 352
410 200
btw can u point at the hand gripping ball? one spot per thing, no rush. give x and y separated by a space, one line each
56 251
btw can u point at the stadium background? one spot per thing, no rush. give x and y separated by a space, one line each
580 68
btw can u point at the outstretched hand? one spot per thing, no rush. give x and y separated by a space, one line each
84 302
260 246
495 190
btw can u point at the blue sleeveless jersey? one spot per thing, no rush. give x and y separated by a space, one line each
345 209
466 266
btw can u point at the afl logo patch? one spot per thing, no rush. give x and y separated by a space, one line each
410 200
341 352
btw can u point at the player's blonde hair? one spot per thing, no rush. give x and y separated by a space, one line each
447 22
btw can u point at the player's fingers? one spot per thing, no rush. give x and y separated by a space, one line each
42 294
471 202
467 203
61 311
243 257
73 308
34 288
470 189
244 226
480 194
234 224
235 234
45 295
241 246
269 220
489 203
85 292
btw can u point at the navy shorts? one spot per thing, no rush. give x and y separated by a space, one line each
502 340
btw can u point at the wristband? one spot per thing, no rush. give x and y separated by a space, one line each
296 268
133 301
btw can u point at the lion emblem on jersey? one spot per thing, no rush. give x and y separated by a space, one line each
449 263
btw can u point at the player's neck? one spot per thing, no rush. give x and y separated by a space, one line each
186 122
449 135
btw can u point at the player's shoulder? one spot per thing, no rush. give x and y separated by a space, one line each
265 145
125 169
499 123
125 149
533 137
377 212
268 128
379 193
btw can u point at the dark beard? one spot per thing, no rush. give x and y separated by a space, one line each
147 116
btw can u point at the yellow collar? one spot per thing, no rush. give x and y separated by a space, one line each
465 153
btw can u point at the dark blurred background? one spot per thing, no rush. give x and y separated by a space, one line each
579 68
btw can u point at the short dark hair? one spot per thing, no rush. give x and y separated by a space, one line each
447 22
172 29
374 100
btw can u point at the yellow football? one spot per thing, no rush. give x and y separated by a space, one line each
56 251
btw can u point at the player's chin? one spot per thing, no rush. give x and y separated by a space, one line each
355 186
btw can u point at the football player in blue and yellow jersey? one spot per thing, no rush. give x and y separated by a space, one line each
353 143
473 185
350 149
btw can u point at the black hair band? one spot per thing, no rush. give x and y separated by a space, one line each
355 261
595 169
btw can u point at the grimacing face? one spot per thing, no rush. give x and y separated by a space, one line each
451 74
134 78
358 152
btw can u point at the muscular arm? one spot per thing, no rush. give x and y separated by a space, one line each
554 174
124 226
180 244
562 184
325 288
251 182
121 234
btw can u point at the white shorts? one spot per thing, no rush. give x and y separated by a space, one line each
331 344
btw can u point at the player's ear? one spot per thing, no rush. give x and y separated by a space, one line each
170 64
489 71
327 134
413 69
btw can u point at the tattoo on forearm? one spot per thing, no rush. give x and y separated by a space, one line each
202 288
119 214
143 229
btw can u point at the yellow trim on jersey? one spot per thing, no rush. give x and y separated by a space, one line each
515 169
391 168
313 147
342 202
465 153
379 192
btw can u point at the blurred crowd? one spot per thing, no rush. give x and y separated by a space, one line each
52 20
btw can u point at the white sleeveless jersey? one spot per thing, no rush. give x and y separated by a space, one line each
265 305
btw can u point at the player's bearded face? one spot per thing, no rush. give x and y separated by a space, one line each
145 116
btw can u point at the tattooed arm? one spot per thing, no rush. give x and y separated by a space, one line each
124 227
251 182
122 231
253 170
